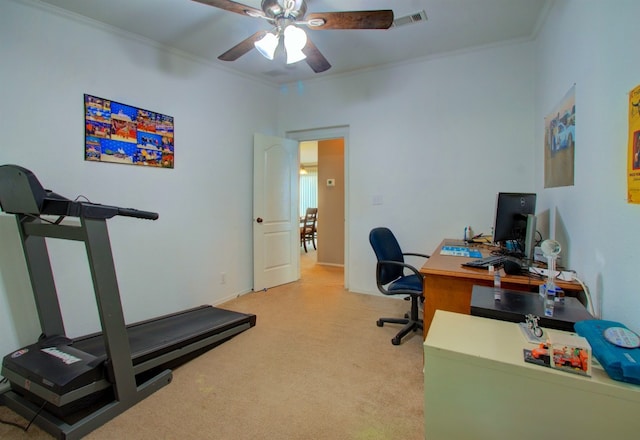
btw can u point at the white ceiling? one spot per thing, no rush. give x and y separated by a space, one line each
206 32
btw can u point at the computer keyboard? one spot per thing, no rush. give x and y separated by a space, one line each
484 263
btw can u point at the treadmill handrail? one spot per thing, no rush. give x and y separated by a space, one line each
66 207
22 194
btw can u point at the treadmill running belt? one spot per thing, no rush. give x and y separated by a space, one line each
157 336
70 365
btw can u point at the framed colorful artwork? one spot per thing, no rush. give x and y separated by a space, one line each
121 133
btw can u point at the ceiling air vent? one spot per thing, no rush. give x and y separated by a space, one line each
416 17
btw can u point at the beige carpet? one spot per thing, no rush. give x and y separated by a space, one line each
315 366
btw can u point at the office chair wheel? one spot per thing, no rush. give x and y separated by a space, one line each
379 323
395 341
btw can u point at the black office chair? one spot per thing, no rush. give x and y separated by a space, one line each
391 279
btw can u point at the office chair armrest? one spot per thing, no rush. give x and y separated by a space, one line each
417 255
404 265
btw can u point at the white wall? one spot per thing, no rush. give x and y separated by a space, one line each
205 204
436 140
593 44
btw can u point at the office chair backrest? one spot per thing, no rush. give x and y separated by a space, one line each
386 248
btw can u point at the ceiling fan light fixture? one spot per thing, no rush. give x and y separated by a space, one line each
295 40
286 16
267 45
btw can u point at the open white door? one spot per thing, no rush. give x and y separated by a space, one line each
276 224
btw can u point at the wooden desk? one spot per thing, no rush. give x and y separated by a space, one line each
448 285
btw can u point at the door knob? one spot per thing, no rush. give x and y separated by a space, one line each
259 220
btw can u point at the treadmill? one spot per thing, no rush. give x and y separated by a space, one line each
70 387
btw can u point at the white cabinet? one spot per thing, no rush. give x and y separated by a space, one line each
477 386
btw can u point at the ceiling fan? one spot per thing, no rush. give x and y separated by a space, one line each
287 17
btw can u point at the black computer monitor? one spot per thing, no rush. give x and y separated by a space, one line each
514 226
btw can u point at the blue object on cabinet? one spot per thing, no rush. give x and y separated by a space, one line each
620 363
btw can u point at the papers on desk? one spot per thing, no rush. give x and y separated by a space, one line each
460 251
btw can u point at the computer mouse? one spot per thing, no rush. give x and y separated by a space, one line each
511 267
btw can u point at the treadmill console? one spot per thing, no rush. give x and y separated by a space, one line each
22 193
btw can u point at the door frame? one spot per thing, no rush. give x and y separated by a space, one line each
318 134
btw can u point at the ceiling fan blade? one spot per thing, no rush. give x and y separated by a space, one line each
241 48
380 19
238 8
315 59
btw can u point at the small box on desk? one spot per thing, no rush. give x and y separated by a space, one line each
563 351
570 351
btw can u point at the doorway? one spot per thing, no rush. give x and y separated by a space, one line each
308 189
331 190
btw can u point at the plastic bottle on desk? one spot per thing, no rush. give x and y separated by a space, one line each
549 299
497 285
